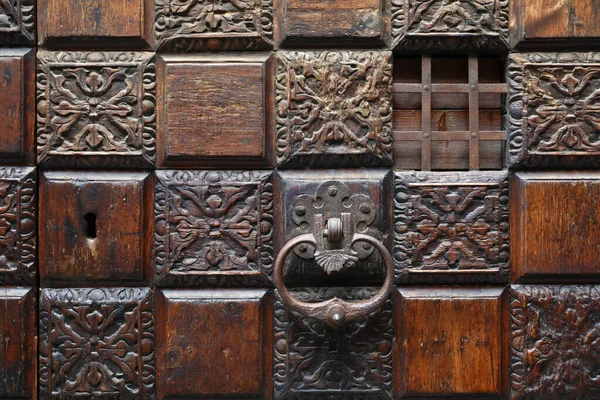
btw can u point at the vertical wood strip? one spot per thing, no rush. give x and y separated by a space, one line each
426 113
473 112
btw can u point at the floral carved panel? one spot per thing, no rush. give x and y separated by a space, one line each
213 228
17 225
96 109
314 361
554 109
211 25
450 24
555 342
451 227
333 109
17 22
97 343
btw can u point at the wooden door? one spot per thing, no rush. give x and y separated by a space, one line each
299 199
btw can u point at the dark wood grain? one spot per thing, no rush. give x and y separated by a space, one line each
113 248
212 343
215 111
18 338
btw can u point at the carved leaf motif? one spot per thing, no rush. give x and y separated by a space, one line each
335 260
9 10
8 226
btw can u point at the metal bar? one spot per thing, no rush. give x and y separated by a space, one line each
426 113
473 112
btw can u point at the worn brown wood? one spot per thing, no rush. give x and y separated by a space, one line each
97 227
18 338
452 341
17 93
213 343
554 220
540 22
215 111
122 23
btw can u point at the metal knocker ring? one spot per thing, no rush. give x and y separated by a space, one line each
335 311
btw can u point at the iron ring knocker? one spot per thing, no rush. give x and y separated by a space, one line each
335 311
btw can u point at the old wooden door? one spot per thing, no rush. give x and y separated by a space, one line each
299 199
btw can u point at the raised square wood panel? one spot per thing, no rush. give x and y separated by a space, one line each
17 22
451 227
17 91
96 343
554 342
554 225
122 23
97 227
553 106
18 375
306 22
215 111
333 109
446 25
96 109
18 203
213 344
312 360
540 22
213 228
206 25
451 342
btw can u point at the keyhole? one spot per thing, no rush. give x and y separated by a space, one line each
90 225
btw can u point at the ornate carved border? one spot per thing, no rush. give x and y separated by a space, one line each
164 277
25 29
146 65
25 179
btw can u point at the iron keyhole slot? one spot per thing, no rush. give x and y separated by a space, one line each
90 225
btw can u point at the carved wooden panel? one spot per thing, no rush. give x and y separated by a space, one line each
312 360
333 109
543 22
215 111
448 113
554 342
96 109
213 228
312 22
18 202
17 91
17 22
96 343
452 342
365 194
554 225
101 23
18 375
213 343
451 227
97 227
554 108
425 25
199 25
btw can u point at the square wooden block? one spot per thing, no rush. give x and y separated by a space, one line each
97 227
17 22
213 228
206 25
451 227
311 360
302 22
96 343
450 25
554 337
452 342
18 374
123 23
554 225
96 109
213 343
215 111
333 109
553 104
18 204
540 22
17 91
